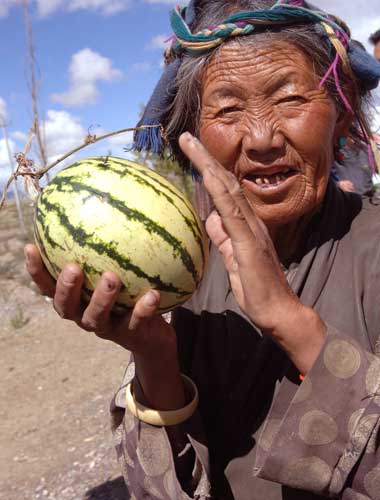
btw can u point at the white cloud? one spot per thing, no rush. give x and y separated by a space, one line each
121 140
105 7
7 155
47 7
87 66
6 5
86 69
62 133
19 136
4 156
3 110
78 95
159 42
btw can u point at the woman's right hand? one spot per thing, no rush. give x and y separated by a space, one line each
151 339
142 331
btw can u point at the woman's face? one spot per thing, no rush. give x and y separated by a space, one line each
264 118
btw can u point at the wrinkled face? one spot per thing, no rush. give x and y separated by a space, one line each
264 118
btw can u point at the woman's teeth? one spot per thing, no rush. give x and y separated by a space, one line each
265 181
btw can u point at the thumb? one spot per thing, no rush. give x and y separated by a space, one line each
145 308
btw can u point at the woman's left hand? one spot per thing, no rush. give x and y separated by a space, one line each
257 279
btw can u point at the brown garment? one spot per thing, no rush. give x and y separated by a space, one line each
259 433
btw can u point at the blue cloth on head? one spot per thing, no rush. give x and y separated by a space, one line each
364 66
150 139
190 13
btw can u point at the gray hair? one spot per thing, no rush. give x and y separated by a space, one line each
184 112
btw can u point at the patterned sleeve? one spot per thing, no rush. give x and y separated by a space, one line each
328 440
150 467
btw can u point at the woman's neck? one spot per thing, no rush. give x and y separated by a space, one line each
288 239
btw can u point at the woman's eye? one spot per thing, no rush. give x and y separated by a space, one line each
227 110
292 99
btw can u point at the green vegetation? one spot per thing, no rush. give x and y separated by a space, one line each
18 320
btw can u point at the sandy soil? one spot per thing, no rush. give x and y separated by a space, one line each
56 385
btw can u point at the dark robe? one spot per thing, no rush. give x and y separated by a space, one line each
259 433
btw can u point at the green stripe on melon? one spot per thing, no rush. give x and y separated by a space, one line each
149 179
113 214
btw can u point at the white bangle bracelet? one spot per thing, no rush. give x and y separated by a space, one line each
163 417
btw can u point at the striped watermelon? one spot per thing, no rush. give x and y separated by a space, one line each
111 214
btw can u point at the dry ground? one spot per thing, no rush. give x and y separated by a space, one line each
56 383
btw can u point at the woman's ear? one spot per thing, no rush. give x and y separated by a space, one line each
343 125
345 116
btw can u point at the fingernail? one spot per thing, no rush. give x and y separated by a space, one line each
150 298
27 254
69 276
107 285
190 137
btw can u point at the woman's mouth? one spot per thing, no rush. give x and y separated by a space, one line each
269 181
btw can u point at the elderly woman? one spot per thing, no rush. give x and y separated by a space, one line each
266 385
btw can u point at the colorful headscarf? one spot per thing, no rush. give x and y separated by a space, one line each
354 61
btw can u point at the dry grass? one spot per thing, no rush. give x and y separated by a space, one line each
56 385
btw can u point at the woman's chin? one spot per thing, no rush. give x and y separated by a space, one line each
278 205
275 220
285 214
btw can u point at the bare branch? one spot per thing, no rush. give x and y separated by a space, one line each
26 167
34 86
90 139
15 187
5 189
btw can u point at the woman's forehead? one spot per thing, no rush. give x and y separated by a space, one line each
275 64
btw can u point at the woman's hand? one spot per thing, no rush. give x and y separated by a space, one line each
141 331
257 279
151 339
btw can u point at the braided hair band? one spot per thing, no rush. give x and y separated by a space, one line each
354 61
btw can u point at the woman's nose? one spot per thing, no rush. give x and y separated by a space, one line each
260 137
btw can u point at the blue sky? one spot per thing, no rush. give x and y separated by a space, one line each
96 69
98 63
